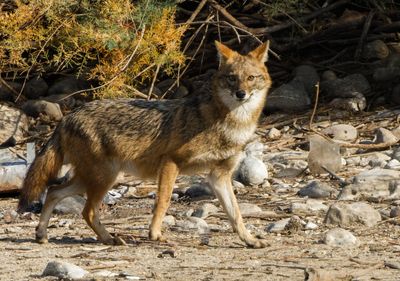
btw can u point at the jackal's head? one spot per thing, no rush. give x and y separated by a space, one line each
242 79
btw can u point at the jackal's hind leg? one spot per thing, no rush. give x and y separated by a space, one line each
54 195
166 179
220 181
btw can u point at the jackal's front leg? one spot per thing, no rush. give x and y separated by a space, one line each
220 181
166 179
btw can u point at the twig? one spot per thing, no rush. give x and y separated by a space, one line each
228 16
153 82
315 105
196 12
367 25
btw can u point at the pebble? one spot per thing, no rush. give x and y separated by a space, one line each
343 132
205 210
317 189
65 270
339 237
293 169
310 226
277 226
274 134
348 214
10 216
376 49
395 212
252 171
169 220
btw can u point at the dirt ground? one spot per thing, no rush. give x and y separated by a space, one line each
184 257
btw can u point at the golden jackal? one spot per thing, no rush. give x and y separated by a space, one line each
156 139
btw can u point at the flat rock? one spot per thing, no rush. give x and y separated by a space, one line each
339 237
252 171
348 214
375 183
393 164
64 270
384 136
13 125
200 190
343 132
274 134
292 169
317 189
323 153
311 206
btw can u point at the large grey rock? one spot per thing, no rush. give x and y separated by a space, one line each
205 210
64 270
252 171
347 214
376 183
342 132
317 189
339 237
13 125
323 153
310 206
36 107
384 136
347 87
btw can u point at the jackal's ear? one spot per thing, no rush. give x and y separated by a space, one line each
261 52
224 52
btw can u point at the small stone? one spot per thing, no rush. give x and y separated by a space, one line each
274 134
105 273
311 206
277 226
323 154
194 223
310 226
347 87
70 205
237 184
174 196
339 237
248 209
348 214
328 75
393 164
385 136
10 216
64 100
317 189
342 132
36 107
200 190
354 104
252 171
395 212
167 253
205 210
294 224
376 49
180 92
64 270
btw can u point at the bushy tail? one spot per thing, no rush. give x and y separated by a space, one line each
44 168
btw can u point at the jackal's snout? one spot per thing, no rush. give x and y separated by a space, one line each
241 94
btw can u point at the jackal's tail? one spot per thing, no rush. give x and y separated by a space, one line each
44 168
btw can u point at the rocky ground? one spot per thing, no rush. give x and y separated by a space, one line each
340 225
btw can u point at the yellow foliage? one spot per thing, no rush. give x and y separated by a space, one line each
93 38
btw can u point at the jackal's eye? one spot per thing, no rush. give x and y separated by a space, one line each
251 78
231 78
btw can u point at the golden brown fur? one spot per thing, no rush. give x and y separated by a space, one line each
156 139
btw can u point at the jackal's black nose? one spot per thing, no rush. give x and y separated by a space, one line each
241 94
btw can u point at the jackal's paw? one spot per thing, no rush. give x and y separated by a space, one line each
256 243
41 237
157 236
115 241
